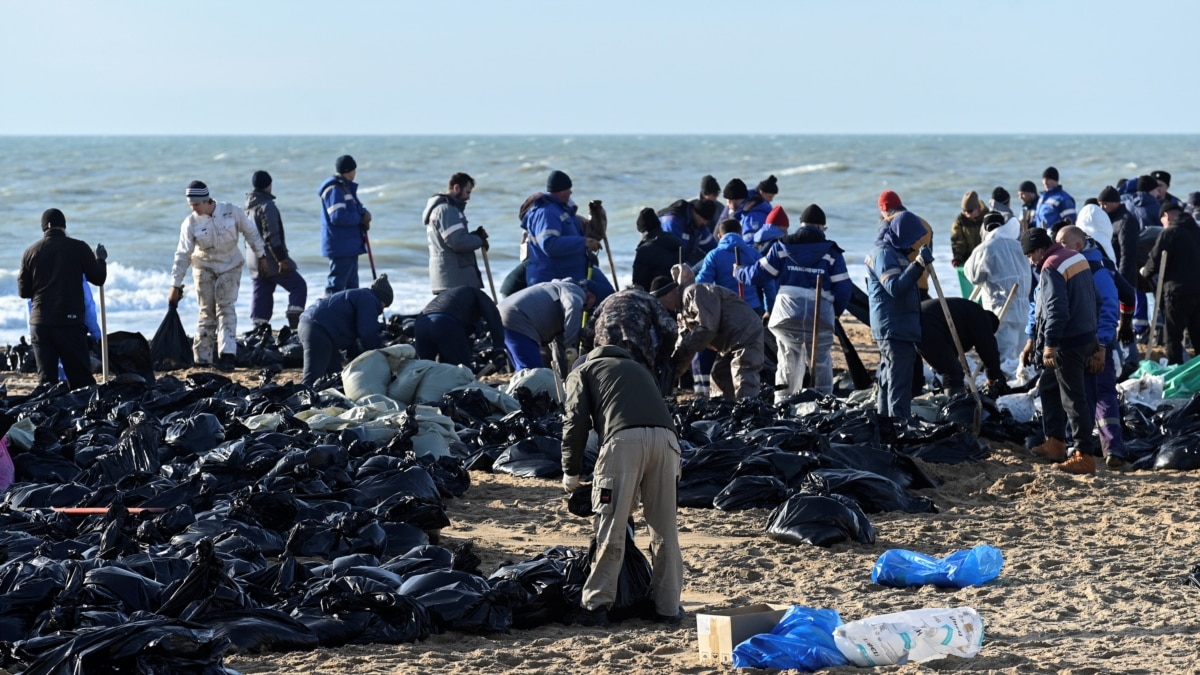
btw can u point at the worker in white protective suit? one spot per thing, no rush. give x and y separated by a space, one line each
994 266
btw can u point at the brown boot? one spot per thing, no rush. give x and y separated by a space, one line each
1080 463
1054 449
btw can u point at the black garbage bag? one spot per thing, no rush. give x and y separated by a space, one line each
414 481
1178 453
820 521
426 514
130 354
889 464
958 448
196 434
205 590
786 466
634 599
272 510
171 348
872 492
751 492
128 591
960 410
542 601
145 646
419 560
252 631
374 612
537 457
459 601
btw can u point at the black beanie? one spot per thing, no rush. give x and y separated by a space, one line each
1027 186
769 186
647 221
1109 194
1051 173
1034 239
709 186
660 286
993 220
1163 176
1147 183
1168 207
53 218
382 289
1001 195
345 164
558 181
812 215
705 209
261 180
735 189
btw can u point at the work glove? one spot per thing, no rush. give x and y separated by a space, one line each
482 234
1125 329
994 389
591 244
285 266
263 269
570 483
1027 354
366 220
925 256
1050 358
175 296
1095 362
101 253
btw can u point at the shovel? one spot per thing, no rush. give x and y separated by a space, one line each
977 422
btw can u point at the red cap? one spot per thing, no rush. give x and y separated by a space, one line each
888 200
779 218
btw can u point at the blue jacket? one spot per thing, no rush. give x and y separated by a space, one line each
694 239
1054 206
556 242
1067 305
717 269
1106 290
1144 208
794 262
892 281
765 237
348 316
341 219
752 213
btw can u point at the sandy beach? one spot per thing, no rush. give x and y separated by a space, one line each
1091 581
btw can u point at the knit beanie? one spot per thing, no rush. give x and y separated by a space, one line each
261 180
1163 176
812 215
1147 183
735 189
1169 207
970 201
196 191
1051 173
382 290
557 181
53 218
1000 195
705 209
1027 186
993 220
660 286
889 200
709 186
1109 194
769 186
345 164
779 218
647 221
1034 239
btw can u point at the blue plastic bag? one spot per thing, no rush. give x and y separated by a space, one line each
973 567
802 640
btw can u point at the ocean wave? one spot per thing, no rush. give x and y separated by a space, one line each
813 168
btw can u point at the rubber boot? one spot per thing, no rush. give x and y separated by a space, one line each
293 317
1054 449
1080 463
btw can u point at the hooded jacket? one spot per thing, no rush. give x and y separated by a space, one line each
752 213
796 262
1106 294
1065 312
210 243
696 240
1144 207
717 268
1053 207
341 219
966 232
716 316
1095 222
260 207
546 311
451 245
348 316
995 266
557 249
892 280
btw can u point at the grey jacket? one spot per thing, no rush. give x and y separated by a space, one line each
260 207
546 311
451 245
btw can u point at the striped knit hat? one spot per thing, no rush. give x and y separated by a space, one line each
197 192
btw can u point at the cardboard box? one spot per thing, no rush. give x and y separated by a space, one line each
719 631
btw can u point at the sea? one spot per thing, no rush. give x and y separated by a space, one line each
127 193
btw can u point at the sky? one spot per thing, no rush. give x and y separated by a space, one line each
599 67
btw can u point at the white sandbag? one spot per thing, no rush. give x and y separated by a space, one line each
408 379
1020 406
1147 390
20 435
535 380
368 374
439 379
264 422
912 636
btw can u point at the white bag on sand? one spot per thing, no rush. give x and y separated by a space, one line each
1020 406
536 380
1147 390
915 635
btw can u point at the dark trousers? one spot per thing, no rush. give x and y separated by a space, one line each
68 344
1065 399
939 352
321 357
896 358
1182 312
441 337
262 293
